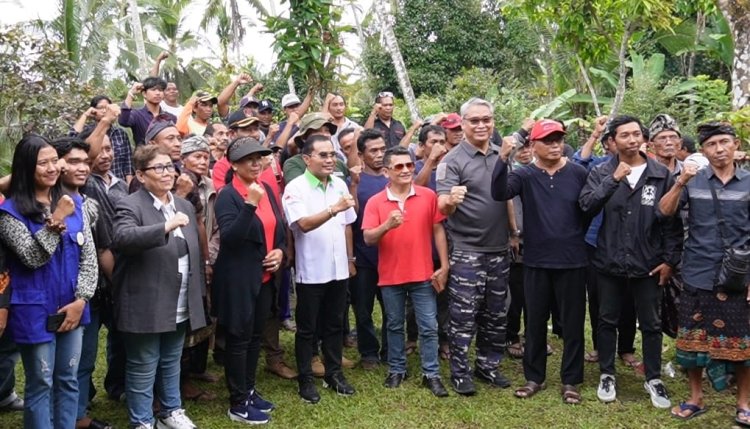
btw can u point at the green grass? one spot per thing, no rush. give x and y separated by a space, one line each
412 406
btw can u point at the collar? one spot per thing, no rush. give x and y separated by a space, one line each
473 150
390 196
739 172
314 181
158 204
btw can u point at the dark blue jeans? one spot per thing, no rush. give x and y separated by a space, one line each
9 357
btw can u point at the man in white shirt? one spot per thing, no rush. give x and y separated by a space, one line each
320 212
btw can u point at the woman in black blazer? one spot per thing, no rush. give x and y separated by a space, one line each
252 244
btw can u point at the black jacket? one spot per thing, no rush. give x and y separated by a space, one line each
238 270
634 237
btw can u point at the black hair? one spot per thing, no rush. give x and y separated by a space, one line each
154 82
365 136
688 143
64 145
22 183
98 98
621 120
345 132
209 132
341 96
395 151
307 149
427 129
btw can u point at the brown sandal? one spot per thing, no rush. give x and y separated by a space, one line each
529 389
591 357
516 350
570 395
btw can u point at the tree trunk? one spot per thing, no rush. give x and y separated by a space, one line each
622 82
737 15
590 87
391 44
140 46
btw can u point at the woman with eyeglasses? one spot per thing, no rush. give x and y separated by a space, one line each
159 281
53 271
251 250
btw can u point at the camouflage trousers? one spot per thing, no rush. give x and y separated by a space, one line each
479 300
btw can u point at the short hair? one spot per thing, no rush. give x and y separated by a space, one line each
147 153
340 96
688 143
395 151
384 94
367 135
307 149
65 145
476 101
209 131
427 129
621 120
345 132
98 98
154 82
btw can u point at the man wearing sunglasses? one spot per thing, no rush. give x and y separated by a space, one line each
403 220
477 229
381 118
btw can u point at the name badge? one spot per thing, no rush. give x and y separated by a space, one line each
79 238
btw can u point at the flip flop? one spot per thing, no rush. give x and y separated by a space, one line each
570 395
591 357
529 389
695 411
743 413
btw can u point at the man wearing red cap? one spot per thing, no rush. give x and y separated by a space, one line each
453 132
554 253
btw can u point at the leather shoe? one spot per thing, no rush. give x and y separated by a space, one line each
338 384
369 364
435 386
308 392
394 380
281 369
318 368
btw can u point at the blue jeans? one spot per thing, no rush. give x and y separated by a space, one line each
89 350
425 309
8 359
146 354
51 391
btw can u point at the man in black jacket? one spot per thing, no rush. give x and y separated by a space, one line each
637 249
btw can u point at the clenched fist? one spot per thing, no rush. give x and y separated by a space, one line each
180 219
622 171
457 195
395 219
344 203
254 193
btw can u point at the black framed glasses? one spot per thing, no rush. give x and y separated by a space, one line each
160 168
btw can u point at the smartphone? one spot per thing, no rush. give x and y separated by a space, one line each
54 321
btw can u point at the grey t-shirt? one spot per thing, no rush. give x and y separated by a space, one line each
479 224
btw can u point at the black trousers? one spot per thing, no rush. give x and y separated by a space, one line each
646 293
517 303
326 301
567 289
626 327
242 351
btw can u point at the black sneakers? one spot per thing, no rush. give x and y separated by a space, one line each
493 377
338 384
308 392
463 385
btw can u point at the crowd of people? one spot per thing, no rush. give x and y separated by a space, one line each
187 235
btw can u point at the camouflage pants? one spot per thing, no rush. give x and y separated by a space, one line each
479 299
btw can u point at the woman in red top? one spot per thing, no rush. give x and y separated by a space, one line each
252 245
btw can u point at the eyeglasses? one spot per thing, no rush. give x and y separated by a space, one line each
385 94
325 155
487 120
402 165
160 168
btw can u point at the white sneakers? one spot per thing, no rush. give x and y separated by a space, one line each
177 419
606 391
658 393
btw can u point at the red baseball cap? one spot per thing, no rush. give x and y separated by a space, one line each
545 127
451 121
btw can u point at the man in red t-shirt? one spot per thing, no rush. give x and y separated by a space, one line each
403 220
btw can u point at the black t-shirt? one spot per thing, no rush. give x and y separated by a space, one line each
393 134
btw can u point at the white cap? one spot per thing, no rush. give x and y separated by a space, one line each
289 100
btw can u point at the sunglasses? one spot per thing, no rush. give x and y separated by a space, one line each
403 165
385 94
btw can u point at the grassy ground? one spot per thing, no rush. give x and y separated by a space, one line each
412 406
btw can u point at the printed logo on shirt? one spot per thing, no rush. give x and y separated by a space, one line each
648 195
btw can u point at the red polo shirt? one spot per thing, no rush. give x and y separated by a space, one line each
405 252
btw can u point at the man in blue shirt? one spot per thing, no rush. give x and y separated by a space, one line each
713 324
138 120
